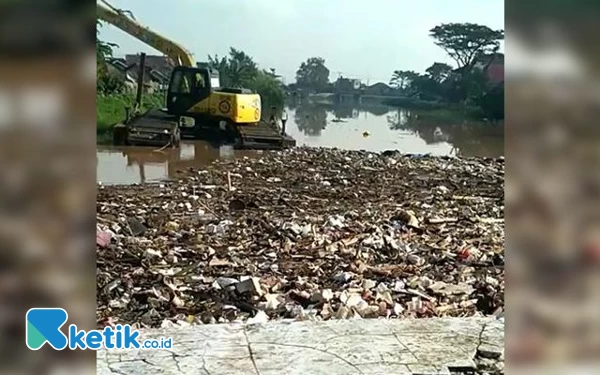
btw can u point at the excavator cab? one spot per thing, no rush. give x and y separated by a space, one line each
188 86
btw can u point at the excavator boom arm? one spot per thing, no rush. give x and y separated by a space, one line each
119 19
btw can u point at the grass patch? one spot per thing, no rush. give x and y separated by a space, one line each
110 110
449 114
437 111
413 103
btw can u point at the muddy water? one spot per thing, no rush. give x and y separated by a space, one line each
373 128
129 165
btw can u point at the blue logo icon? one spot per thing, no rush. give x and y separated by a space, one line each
42 325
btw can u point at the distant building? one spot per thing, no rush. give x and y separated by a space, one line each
495 72
128 68
493 64
161 64
118 68
379 88
484 59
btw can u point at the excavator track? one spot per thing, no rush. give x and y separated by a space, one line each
156 125
262 135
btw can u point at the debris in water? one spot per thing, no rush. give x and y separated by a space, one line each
389 236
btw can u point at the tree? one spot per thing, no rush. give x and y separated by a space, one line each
313 74
106 83
242 68
104 51
439 72
269 88
402 79
236 70
222 66
492 103
426 88
463 41
239 70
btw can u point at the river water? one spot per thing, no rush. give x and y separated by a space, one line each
367 127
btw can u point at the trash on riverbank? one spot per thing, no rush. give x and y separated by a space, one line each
305 234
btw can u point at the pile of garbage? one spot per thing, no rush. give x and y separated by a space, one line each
303 234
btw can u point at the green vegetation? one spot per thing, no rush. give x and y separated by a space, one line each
110 98
437 110
465 41
414 103
466 88
447 114
110 109
238 70
270 90
106 83
313 75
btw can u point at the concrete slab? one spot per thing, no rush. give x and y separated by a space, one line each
344 347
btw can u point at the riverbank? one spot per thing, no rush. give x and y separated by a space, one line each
437 111
110 110
308 234
430 110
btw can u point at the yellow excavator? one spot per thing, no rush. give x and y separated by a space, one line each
194 92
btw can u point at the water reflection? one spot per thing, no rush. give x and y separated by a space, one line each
315 124
311 119
129 165
343 111
467 137
329 125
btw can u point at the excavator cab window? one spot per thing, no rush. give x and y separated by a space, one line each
176 82
188 86
188 82
200 82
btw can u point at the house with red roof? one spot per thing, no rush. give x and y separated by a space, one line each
493 65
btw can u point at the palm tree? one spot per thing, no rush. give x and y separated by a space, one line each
104 51
242 68
236 70
402 78
222 66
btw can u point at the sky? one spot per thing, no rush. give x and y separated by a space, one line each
360 39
